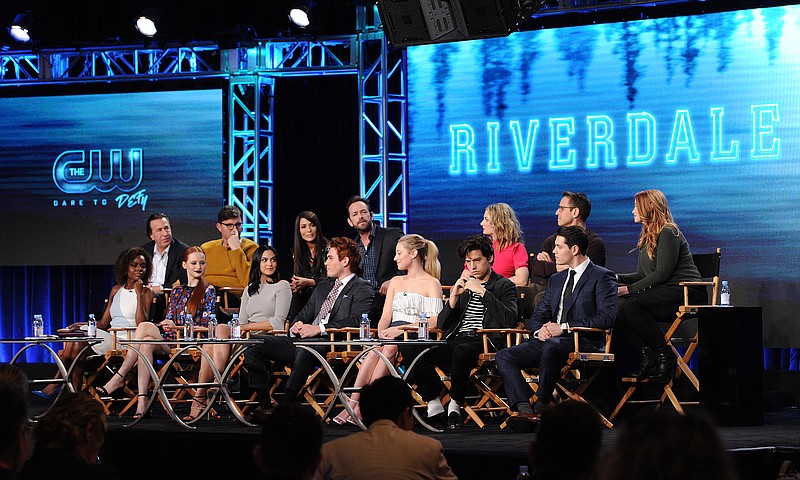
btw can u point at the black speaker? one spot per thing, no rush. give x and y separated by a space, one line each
419 22
731 365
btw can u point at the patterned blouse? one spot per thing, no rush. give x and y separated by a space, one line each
177 305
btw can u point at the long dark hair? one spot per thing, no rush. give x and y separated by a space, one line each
199 292
255 269
302 254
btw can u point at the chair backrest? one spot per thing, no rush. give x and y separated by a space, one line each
525 302
708 266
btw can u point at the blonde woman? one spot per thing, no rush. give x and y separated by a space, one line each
413 294
652 294
510 256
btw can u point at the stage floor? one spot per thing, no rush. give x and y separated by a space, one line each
472 453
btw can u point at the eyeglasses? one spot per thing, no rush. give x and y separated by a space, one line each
565 207
231 226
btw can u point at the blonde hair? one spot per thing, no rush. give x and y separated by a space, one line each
655 216
428 253
506 226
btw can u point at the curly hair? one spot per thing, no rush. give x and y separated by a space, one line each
428 253
655 216
506 226
125 258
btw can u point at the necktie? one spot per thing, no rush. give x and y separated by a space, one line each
567 293
327 305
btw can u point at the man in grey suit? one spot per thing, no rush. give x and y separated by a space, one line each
337 302
583 295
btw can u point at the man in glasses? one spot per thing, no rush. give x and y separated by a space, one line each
573 210
228 259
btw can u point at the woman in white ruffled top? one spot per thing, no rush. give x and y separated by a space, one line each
413 294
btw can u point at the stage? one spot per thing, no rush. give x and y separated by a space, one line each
222 446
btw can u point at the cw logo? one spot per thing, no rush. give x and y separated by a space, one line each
73 173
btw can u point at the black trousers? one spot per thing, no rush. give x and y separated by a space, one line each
258 361
461 353
638 314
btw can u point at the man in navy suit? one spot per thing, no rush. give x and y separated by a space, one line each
377 251
337 302
584 295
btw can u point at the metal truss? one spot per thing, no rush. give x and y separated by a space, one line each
383 129
249 130
249 166
102 63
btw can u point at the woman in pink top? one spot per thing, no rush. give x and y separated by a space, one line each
510 257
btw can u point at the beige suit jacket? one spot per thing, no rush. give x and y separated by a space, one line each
384 451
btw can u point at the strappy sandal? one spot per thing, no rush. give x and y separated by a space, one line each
105 393
198 405
138 415
344 417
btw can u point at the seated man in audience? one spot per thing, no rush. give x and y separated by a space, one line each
479 299
228 259
337 302
573 209
583 295
291 440
16 431
388 449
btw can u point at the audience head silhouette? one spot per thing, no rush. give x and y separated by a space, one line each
667 446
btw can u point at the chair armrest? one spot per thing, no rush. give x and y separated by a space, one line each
692 284
588 329
502 330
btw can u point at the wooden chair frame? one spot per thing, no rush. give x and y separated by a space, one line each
709 265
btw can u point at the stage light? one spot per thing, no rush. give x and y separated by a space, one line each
149 22
20 29
301 14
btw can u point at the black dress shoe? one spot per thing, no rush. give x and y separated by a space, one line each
524 422
454 420
258 415
438 419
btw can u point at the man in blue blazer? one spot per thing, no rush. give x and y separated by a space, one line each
584 295
337 302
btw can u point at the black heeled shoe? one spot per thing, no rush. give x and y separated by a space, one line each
648 361
139 415
198 405
665 365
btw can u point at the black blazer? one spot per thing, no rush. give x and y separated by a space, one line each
500 301
175 272
384 244
354 300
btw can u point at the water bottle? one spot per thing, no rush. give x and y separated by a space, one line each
422 330
725 295
188 327
523 473
91 326
212 326
236 328
38 326
364 332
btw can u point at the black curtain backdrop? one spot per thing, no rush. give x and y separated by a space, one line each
316 156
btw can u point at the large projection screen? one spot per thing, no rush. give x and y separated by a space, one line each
83 171
705 108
